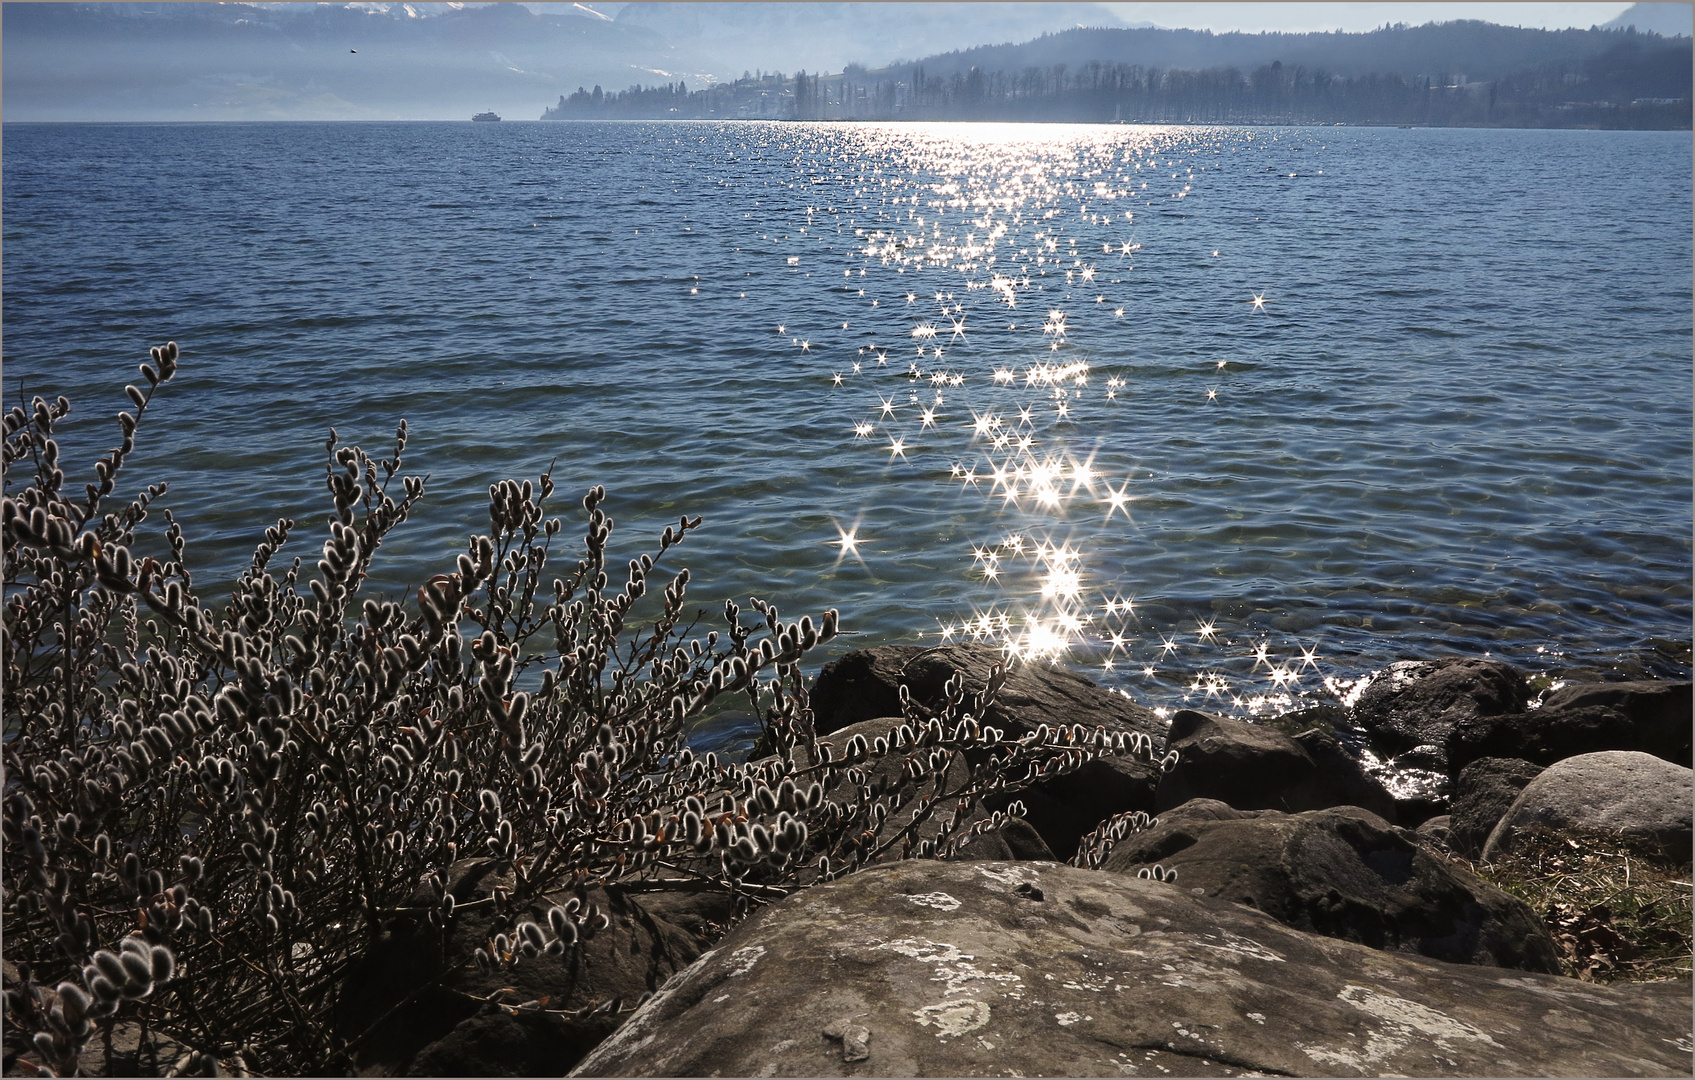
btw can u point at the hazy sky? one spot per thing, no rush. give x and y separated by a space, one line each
1301 17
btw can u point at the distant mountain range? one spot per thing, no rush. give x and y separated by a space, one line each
738 38
170 61
381 60
1670 20
1475 51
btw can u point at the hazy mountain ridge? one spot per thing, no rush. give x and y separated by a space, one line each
1658 18
1478 50
241 61
1464 73
168 61
828 36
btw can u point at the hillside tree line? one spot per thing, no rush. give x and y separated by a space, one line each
1602 79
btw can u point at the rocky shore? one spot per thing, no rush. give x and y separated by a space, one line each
1315 923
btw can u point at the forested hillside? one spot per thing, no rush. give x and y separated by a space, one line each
1465 73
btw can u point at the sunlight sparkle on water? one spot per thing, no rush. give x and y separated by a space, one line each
966 216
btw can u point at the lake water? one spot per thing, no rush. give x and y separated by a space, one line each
1210 414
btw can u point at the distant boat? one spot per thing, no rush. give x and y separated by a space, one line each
486 116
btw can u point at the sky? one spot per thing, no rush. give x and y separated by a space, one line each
1304 17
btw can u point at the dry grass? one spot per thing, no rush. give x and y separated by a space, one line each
1619 911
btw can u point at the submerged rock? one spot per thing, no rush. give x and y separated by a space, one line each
1346 873
1637 795
973 969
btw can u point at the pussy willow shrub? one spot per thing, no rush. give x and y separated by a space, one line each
210 814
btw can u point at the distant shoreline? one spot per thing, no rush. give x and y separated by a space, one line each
901 122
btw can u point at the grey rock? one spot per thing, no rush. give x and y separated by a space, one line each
1587 723
1015 841
1341 779
1436 832
1483 794
1244 765
702 911
416 988
1626 792
1650 701
1417 703
855 1038
953 972
1064 809
1253 767
1036 692
1346 873
864 683
494 1043
890 772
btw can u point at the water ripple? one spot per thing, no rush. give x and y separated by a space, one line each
1390 408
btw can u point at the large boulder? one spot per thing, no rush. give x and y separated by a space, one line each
1345 873
1063 810
889 773
1245 765
683 896
1608 716
416 1005
1434 832
1015 841
1342 779
1417 703
1254 767
863 684
494 1042
1036 692
1651 702
995 969
1483 794
866 684
1627 792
